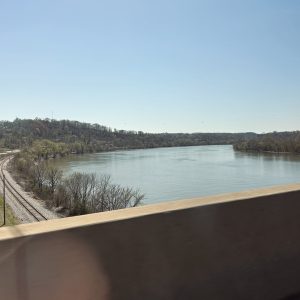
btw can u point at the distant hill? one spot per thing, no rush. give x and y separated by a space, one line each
272 142
87 137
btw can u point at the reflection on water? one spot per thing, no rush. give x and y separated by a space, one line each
268 156
184 172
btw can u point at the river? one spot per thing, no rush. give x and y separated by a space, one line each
165 174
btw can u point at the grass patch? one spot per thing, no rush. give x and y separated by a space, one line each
10 218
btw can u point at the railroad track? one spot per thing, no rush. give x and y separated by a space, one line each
36 214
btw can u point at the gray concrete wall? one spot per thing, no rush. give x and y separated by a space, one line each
240 246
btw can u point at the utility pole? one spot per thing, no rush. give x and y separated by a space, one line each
4 210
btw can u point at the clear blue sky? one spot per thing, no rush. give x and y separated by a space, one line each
156 66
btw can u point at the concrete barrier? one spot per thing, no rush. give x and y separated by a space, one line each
236 246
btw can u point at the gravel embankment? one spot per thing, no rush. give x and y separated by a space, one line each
20 212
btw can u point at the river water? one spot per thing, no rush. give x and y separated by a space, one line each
184 172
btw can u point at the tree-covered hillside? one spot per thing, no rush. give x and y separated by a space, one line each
84 137
272 142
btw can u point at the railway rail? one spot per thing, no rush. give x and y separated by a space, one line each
33 211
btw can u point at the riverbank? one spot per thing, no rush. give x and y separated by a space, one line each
75 194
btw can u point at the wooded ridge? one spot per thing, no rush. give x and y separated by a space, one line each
85 137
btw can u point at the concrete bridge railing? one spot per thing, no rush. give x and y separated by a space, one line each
236 246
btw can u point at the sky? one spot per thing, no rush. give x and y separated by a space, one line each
155 66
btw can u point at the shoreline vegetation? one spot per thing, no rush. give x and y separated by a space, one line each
275 142
81 193
75 194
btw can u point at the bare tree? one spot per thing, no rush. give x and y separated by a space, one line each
80 187
53 177
38 174
121 197
99 199
85 193
60 197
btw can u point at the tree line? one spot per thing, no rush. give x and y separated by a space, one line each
85 137
278 142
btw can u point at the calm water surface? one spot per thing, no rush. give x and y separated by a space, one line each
184 172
